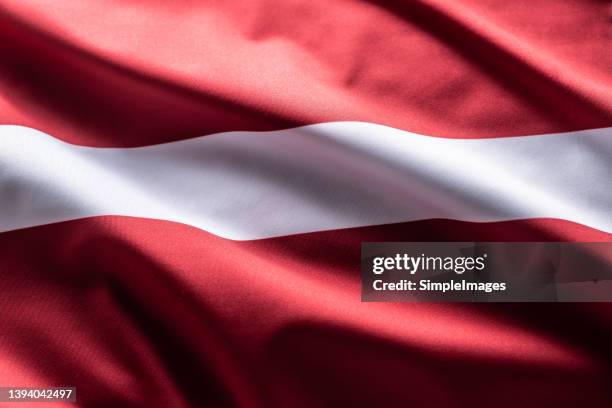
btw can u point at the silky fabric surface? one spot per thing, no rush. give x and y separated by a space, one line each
137 312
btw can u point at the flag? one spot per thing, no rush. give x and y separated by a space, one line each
184 188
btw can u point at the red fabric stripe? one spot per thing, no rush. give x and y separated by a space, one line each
133 73
121 306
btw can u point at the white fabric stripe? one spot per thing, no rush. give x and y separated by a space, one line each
249 185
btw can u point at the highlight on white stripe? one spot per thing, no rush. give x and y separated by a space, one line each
250 185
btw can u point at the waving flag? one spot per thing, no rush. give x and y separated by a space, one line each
184 188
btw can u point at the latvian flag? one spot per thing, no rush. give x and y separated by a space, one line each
185 186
